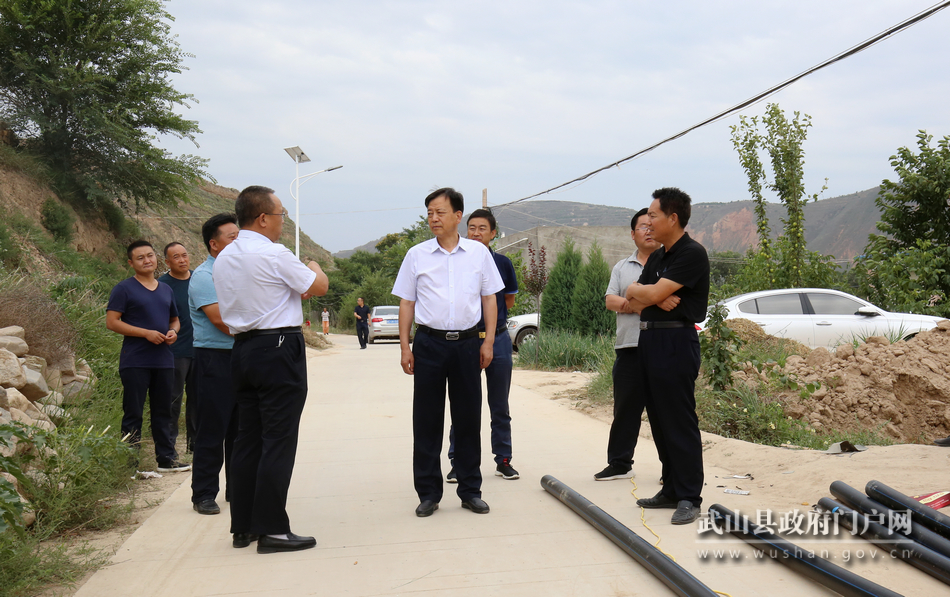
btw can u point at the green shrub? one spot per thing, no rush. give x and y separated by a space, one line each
555 350
58 219
559 292
9 249
589 313
719 346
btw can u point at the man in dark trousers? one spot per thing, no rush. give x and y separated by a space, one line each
482 227
143 310
178 278
214 442
628 390
447 284
260 284
361 313
669 351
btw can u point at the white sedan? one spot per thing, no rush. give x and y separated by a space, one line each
521 328
821 317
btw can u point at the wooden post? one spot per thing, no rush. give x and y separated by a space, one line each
484 198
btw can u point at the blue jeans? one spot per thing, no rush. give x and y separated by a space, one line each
498 379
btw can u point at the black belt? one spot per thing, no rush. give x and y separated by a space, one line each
659 325
268 332
448 335
498 331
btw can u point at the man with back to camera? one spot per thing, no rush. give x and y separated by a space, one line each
447 284
260 285
669 351
482 227
628 391
178 278
361 313
217 405
143 310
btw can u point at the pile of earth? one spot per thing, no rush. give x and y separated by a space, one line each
901 389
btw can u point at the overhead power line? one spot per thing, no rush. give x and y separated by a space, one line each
757 98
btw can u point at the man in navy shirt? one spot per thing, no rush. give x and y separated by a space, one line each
361 313
143 310
483 228
178 278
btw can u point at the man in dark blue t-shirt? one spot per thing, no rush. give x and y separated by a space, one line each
179 278
483 228
143 310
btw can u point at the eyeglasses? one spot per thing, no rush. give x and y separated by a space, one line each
642 228
282 214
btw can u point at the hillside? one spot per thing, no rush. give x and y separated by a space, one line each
23 191
837 226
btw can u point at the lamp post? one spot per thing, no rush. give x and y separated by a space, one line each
299 157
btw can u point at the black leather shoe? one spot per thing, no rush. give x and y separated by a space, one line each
685 513
426 508
476 505
945 442
207 507
292 543
243 539
657 501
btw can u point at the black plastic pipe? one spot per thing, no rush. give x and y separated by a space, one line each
666 570
803 561
925 515
897 545
851 497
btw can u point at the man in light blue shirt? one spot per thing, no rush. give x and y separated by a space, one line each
217 404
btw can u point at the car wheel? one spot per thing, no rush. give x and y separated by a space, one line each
525 334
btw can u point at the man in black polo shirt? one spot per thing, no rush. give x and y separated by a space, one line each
361 313
669 351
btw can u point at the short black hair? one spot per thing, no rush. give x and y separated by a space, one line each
637 216
486 214
135 245
169 246
454 197
209 229
674 201
251 203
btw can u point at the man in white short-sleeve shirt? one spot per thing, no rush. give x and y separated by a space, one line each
260 284
446 284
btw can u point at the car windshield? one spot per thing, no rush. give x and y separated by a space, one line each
386 311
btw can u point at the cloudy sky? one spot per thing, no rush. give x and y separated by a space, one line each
518 97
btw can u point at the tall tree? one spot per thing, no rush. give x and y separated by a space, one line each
788 263
907 267
588 310
88 85
558 296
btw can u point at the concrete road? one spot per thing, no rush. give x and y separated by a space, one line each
352 490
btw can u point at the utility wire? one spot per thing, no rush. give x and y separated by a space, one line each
757 98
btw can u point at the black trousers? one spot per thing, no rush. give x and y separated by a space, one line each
269 373
629 402
362 333
439 361
669 364
137 383
185 384
214 442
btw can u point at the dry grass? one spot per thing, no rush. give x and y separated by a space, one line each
48 332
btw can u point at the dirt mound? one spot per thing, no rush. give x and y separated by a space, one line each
750 331
902 388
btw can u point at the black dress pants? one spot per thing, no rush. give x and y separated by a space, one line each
156 384
214 443
628 408
439 361
669 363
362 333
270 382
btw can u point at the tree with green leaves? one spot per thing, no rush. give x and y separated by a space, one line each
557 300
87 86
788 263
588 309
907 267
